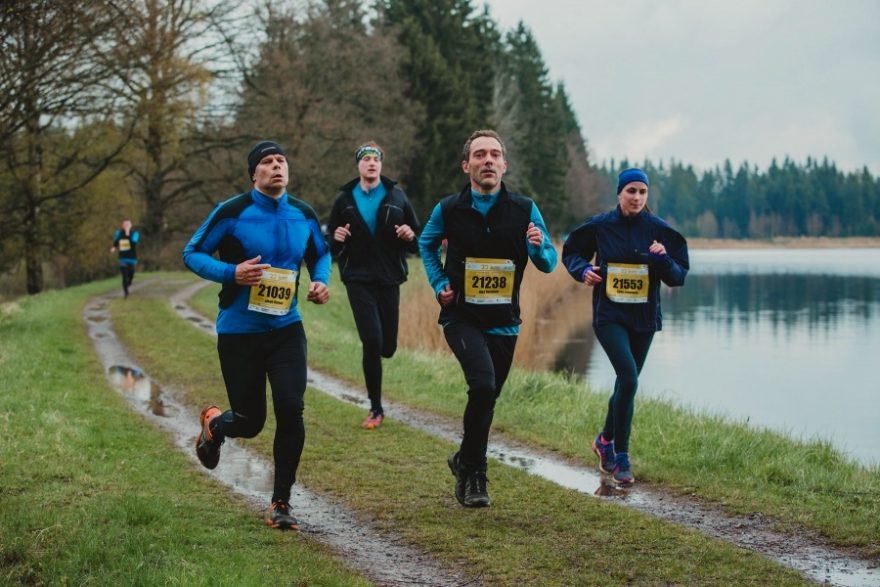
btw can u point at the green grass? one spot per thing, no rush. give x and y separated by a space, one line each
536 533
90 494
800 485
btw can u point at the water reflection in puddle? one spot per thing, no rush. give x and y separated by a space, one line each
132 380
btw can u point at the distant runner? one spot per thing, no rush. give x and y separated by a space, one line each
263 237
125 242
634 251
372 227
491 235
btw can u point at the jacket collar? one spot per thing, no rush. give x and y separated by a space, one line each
466 200
629 219
268 201
349 187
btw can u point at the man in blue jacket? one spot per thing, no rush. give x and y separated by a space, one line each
125 243
263 237
491 234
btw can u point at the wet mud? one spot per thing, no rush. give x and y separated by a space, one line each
806 553
250 475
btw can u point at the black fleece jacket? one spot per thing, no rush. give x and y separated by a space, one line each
378 258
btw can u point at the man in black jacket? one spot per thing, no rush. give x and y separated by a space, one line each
372 228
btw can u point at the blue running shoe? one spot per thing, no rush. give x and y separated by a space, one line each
605 452
621 473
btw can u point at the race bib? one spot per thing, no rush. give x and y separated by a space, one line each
626 283
275 292
124 245
488 281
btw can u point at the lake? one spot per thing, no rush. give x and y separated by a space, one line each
780 338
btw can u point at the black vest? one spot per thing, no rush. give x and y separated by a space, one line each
501 234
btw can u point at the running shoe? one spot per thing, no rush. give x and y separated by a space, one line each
279 516
373 420
605 452
455 467
476 492
207 449
621 473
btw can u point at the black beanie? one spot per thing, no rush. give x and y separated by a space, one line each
259 151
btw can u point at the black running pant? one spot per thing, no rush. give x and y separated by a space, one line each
127 271
376 310
485 360
627 350
246 360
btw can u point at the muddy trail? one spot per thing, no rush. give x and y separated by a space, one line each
250 475
806 553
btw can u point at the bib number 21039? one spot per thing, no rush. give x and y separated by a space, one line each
275 292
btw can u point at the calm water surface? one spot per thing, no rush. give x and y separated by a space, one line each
783 339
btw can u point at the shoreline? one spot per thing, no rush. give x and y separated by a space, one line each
787 242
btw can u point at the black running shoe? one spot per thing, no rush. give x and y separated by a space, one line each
279 516
207 449
455 467
476 492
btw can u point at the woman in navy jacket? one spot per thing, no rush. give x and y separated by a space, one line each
634 251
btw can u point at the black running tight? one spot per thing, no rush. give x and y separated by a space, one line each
485 360
376 310
627 351
246 360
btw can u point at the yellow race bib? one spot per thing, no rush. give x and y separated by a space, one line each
275 292
488 281
124 245
626 283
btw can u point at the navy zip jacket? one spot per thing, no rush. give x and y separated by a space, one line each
284 232
129 255
615 238
378 258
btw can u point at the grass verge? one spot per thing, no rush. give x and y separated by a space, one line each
799 484
536 533
91 495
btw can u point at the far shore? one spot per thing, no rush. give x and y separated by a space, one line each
789 242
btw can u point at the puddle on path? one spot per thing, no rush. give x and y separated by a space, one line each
250 475
132 380
804 553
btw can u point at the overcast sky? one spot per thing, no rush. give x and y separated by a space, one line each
705 80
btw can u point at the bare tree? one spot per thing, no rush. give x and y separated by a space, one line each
53 105
173 52
325 81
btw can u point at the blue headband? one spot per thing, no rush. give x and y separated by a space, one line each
630 175
367 150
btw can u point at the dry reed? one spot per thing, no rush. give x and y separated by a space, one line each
553 306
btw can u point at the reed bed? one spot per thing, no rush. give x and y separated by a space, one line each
553 307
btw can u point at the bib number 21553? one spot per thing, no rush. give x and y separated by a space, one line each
627 283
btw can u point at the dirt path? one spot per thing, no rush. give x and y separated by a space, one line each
250 475
805 553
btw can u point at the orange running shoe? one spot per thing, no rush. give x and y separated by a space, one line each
373 420
279 516
207 449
